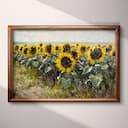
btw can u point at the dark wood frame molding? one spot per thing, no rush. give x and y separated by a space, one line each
63 27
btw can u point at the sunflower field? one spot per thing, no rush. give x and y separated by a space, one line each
64 70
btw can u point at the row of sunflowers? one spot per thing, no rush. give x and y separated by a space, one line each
85 66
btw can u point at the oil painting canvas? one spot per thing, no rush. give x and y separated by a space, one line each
65 63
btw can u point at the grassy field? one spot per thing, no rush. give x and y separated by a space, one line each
29 83
64 70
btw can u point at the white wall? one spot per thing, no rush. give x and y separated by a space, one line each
56 115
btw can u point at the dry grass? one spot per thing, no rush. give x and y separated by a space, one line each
29 84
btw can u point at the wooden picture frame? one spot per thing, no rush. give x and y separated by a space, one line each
11 36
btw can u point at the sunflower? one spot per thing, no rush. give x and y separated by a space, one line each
25 45
25 51
99 45
39 46
88 46
20 48
41 49
43 56
73 46
65 62
57 48
77 45
16 48
66 48
32 51
113 52
110 49
82 49
48 49
75 54
96 55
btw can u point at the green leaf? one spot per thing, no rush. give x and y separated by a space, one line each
66 82
34 58
74 73
20 58
27 63
23 61
96 79
79 66
104 67
35 64
30 59
59 76
47 69
41 66
87 69
53 58
16 55
97 65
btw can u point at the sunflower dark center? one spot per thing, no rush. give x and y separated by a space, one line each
88 47
41 49
109 49
96 53
83 49
25 50
66 62
74 54
114 53
17 47
33 50
44 56
67 48
21 48
49 48
57 48
41 45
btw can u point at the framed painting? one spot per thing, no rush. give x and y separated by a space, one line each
64 63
